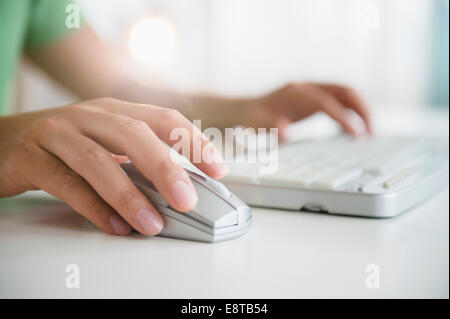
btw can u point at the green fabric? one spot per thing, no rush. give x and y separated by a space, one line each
26 24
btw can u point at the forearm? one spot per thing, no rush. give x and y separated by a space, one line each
90 69
195 106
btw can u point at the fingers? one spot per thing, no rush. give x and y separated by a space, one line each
282 125
101 171
269 118
319 99
54 177
123 135
167 124
351 99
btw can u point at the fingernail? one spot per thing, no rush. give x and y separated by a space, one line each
183 194
119 225
149 221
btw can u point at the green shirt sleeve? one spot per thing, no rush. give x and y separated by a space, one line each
50 20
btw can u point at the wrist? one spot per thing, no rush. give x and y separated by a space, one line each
217 111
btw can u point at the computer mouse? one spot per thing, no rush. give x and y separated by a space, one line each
219 215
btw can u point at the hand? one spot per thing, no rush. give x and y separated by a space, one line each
68 152
298 101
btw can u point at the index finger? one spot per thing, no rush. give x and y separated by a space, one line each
164 122
351 99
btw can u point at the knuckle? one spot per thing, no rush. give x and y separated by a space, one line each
125 197
95 207
308 87
167 168
330 107
129 126
171 115
298 88
289 87
70 111
95 155
81 107
70 181
49 124
348 91
98 103
139 127
106 100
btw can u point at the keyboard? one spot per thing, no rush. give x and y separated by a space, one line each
368 176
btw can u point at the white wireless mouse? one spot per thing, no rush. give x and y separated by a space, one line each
219 215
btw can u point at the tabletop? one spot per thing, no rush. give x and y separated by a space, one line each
43 244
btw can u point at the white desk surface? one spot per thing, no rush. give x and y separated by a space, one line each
285 255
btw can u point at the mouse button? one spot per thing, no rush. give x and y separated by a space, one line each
211 208
244 212
225 220
184 218
230 219
178 225
218 187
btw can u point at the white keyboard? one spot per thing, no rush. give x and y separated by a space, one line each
364 165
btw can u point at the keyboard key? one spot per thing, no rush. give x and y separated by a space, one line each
243 173
286 176
338 178
382 164
311 175
344 163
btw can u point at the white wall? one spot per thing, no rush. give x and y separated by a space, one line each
113 19
261 44
249 46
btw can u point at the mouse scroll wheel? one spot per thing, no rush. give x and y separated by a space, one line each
219 188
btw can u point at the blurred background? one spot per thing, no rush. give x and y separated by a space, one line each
396 52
